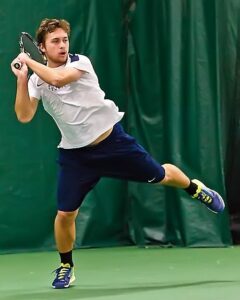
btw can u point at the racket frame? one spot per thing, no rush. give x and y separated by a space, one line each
18 65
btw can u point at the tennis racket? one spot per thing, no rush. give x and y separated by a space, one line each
29 46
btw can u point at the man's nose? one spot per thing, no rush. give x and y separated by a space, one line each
62 44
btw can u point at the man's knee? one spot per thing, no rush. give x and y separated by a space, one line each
66 216
168 173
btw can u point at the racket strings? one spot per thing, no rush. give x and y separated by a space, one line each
31 49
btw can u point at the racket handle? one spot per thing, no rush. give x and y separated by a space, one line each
18 65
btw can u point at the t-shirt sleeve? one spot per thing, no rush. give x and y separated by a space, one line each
82 63
32 88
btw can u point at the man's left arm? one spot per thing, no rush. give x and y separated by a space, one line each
55 77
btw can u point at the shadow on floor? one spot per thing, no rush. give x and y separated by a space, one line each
79 292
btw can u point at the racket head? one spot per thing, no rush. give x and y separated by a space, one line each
29 46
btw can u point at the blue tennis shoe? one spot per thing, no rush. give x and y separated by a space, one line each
210 198
64 276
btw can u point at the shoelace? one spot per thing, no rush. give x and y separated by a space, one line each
206 198
61 272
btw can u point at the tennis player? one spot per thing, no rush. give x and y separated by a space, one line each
93 143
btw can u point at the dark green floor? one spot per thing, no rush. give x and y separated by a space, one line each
126 273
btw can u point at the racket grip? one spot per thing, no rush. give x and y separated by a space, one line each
18 65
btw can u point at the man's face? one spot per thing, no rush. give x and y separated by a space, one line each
56 47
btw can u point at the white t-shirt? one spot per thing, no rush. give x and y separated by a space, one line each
78 108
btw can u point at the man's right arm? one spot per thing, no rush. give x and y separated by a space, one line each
25 107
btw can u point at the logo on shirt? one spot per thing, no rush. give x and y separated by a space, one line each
39 84
53 88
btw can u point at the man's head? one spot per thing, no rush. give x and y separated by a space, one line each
52 37
50 25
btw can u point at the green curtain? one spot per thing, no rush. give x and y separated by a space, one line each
171 66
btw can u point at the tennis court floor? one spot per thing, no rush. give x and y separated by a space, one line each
126 273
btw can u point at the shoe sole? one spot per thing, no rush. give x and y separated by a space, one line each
221 199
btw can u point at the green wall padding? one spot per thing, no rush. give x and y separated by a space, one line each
162 62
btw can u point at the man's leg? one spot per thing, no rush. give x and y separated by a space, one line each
65 235
176 178
129 160
65 232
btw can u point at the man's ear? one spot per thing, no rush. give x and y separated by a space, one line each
41 47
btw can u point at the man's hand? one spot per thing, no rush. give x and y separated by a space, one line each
21 58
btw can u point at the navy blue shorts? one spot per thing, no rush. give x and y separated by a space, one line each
118 156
